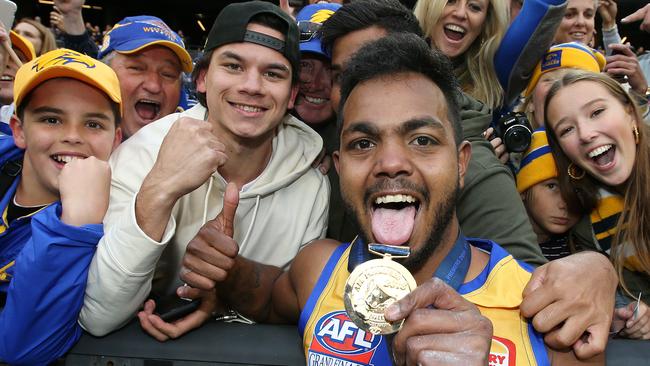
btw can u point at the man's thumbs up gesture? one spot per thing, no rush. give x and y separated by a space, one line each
209 257
211 254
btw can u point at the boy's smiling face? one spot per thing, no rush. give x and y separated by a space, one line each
64 119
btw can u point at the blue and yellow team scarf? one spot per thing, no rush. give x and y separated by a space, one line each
605 217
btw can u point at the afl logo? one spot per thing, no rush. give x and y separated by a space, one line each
337 333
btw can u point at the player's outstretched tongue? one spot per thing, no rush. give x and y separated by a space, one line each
393 226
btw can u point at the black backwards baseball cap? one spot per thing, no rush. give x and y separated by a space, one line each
230 27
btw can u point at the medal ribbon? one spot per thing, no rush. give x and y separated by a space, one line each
452 269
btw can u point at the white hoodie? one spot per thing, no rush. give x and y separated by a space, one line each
279 212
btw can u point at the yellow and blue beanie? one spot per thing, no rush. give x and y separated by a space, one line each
565 55
537 164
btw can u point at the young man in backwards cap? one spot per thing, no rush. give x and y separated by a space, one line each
149 59
54 185
237 156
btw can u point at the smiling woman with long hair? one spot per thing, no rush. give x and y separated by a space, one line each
468 32
602 152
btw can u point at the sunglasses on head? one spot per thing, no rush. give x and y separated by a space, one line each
308 30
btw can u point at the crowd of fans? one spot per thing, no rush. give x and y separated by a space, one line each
261 178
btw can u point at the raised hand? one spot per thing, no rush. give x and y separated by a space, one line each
607 10
84 186
188 156
211 254
67 16
56 20
625 62
440 328
642 14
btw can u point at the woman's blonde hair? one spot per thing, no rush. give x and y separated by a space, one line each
47 38
475 72
635 218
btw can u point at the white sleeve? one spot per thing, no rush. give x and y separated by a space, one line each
120 274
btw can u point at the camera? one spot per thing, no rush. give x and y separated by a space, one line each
515 131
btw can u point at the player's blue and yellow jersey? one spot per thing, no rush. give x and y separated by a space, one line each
331 338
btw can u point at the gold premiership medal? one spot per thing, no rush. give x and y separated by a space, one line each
373 286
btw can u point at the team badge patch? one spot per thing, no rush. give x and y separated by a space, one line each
552 60
502 352
338 341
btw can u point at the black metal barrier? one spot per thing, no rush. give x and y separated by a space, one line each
214 343
628 352
241 344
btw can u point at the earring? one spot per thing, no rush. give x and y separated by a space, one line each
575 172
635 130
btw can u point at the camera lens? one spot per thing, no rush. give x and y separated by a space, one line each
517 138
515 131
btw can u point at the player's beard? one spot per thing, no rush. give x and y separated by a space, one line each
444 213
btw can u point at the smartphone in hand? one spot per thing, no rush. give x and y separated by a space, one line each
172 307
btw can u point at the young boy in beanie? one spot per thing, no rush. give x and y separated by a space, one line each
538 185
237 156
54 185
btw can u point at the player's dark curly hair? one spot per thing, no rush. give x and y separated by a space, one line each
401 53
